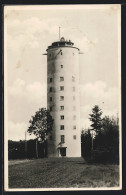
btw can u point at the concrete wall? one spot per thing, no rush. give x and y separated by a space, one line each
69 60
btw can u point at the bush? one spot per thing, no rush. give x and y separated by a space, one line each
101 155
16 149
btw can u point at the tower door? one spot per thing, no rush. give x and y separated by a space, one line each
63 151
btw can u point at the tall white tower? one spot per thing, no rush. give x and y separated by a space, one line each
63 99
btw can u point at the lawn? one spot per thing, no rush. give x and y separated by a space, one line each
61 173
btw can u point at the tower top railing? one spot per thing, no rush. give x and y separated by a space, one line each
62 43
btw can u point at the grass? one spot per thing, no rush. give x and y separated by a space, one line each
61 173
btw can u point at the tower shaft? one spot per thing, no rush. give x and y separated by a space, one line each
63 99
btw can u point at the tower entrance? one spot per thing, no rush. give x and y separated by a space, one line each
63 151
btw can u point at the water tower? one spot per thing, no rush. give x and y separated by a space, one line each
63 99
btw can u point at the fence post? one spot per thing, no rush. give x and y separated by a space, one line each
36 148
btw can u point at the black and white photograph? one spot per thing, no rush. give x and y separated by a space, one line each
62 97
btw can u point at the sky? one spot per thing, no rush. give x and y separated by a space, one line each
29 30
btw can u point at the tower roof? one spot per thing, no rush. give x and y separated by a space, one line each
62 43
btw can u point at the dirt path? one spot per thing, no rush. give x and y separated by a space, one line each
15 162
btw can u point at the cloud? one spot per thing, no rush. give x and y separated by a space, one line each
98 93
35 92
38 90
17 88
85 44
30 33
27 33
84 123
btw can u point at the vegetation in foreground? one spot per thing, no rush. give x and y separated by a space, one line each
101 147
62 173
100 143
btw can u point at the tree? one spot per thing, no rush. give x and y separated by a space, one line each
110 130
107 142
109 133
40 125
86 144
95 118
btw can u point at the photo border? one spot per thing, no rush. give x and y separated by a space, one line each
123 80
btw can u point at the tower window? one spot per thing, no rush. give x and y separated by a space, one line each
62 138
62 117
50 89
61 127
74 137
74 117
61 78
61 98
61 88
61 66
50 108
61 53
74 127
61 107
74 107
51 80
50 99
73 78
73 97
73 88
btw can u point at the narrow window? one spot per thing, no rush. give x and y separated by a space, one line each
50 89
51 80
50 54
74 137
62 139
62 117
61 78
74 117
61 107
74 127
61 88
73 78
74 108
61 53
50 108
50 99
61 66
61 127
61 98
73 88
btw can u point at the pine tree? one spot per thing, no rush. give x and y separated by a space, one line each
95 118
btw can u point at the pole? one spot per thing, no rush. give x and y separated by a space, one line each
25 144
36 148
92 141
59 33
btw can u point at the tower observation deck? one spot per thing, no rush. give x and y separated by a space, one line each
63 99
